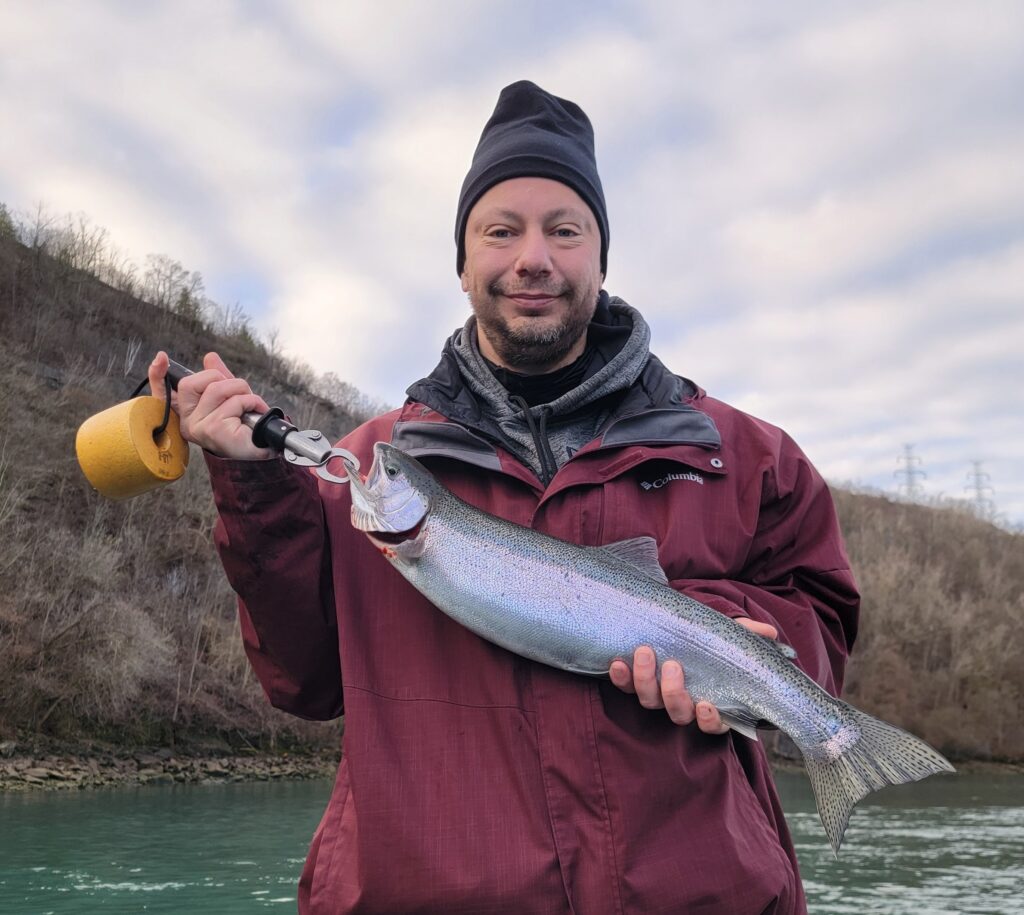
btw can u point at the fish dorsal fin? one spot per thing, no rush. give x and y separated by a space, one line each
641 553
787 651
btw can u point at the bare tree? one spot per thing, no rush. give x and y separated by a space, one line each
168 284
347 397
8 228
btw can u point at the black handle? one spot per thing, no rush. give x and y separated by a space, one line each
175 372
272 429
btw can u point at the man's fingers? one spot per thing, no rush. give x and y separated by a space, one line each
645 678
217 414
213 361
229 408
220 390
216 424
765 629
156 372
674 694
669 693
621 676
708 719
210 404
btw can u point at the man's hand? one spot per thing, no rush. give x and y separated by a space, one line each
671 693
210 405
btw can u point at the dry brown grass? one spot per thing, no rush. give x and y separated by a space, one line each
116 620
939 650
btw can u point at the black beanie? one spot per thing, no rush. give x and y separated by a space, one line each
534 134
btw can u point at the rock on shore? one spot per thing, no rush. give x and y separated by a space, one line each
27 770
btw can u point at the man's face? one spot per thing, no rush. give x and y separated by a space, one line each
532 272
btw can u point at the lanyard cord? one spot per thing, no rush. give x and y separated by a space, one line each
548 464
159 430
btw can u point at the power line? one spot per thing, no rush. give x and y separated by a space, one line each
910 473
980 491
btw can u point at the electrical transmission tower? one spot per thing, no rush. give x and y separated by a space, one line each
980 491
910 474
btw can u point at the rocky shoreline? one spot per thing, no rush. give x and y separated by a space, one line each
28 769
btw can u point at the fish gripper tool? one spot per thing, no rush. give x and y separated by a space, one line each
305 448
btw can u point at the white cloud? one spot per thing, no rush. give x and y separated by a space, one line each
932 360
817 207
858 229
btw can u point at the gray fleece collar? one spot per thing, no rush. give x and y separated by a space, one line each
617 375
564 426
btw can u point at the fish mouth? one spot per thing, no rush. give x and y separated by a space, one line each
367 513
368 517
386 506
393 538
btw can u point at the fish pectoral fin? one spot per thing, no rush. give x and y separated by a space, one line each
740 720
639 552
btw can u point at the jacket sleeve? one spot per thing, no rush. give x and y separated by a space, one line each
273 544
797 575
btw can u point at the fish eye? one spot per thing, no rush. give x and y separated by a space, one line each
391 470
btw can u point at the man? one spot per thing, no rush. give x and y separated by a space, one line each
474 780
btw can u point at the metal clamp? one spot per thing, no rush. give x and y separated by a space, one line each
310 449
350 461
272 430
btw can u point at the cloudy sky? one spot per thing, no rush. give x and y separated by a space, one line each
818 207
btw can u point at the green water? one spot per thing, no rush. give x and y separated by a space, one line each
946 846
217 849
950 845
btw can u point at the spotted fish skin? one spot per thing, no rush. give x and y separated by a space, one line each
578 608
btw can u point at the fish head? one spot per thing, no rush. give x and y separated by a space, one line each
392 505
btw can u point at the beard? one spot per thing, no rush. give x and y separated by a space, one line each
534 343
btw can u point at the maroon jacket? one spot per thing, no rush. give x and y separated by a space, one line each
474 780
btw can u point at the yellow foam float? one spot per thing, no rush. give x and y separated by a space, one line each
119 455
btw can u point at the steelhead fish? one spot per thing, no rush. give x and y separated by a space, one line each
578 608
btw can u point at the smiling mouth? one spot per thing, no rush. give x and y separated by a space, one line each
533 303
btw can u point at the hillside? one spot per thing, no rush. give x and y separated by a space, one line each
115 619
116 622
939 648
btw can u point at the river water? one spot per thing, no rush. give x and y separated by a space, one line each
946 846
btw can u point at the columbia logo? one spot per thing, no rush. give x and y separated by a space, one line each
668 478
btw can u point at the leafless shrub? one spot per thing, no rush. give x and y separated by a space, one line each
943 596
131 353
230 321
10 491
115 619
348 397
8 228
119 272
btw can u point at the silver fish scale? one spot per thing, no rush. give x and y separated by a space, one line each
579 608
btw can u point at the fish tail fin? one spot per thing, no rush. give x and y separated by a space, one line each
881 755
